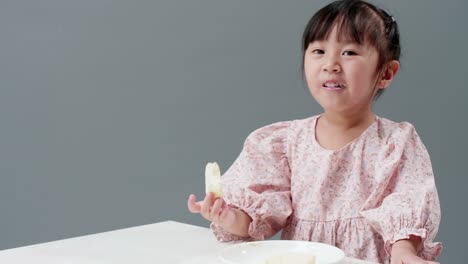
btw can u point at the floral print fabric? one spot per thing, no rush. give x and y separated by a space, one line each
362 198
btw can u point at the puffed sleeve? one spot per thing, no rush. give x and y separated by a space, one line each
258 183
405 201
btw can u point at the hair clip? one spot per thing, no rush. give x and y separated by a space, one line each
393 19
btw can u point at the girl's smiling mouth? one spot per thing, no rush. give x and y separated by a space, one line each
333 85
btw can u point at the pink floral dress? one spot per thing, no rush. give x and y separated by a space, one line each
362 198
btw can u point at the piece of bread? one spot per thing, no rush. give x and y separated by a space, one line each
213 179
289 258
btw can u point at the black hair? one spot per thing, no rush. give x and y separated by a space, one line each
357 21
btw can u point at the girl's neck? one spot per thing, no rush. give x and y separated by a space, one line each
346 121
333 131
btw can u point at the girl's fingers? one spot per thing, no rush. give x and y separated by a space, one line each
228 215
216 210
193 206
206 206
211 208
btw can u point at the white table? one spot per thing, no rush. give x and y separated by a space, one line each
165 242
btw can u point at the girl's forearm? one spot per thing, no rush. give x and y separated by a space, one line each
406 246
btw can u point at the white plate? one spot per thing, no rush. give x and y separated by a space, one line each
258 252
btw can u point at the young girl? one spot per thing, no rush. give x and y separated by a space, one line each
345 177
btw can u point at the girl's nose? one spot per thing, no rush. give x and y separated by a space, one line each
331 65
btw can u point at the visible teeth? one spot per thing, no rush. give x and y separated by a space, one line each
334 85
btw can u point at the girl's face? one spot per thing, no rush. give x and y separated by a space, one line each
341 75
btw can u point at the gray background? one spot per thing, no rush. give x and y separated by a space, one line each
109 110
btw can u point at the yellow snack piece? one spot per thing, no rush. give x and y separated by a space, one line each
213 179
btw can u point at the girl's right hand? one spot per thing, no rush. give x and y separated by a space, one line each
213 209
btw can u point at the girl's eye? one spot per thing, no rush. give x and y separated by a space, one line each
318 51
349 53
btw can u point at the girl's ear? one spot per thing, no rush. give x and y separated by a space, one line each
390 71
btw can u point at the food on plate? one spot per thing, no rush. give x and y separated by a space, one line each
289 258
213 179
